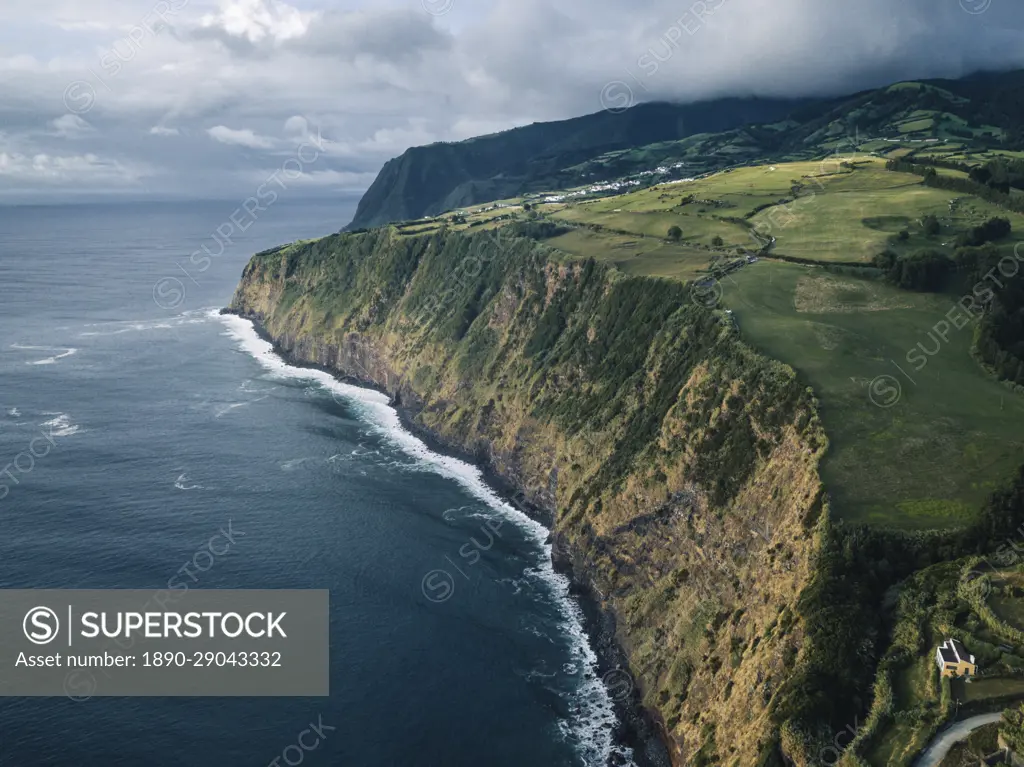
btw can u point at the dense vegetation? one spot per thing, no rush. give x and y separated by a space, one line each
1001 174
993 277
635 415
931 269
1012 729
926 270
846 631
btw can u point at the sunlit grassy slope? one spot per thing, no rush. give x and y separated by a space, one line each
836 214
931 444
928 459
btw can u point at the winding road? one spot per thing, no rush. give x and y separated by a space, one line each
944 741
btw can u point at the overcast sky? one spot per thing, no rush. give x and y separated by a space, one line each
210 98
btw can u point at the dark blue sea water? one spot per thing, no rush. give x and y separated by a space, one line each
170 424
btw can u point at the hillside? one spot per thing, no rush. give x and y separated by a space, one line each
774 410
810 263
815 300
654 437
682 470
981 112
431 179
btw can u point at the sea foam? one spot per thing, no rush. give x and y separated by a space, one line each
65 351
117 327
181 483
593 720
60 426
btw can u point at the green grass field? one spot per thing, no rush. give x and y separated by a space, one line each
633 255
930 459
950 436
996 687
836 221
840 214
940 439
916 126
697 228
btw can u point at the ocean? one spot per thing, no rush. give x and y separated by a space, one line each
136 424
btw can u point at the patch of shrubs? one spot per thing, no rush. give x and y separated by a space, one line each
991 231
925 270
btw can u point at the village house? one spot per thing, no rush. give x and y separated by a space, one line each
954 660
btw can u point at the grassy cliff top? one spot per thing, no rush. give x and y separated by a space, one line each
920 433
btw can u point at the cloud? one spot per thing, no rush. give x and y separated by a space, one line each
297 125
315 179
256 20
244 137
365 80
394 35
70 126
58 170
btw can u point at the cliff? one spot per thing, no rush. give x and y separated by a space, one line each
982 111
431 179
679 466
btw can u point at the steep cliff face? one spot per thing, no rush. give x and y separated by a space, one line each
429 180
680 467
555 155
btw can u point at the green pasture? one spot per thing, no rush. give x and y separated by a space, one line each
636 255
910 448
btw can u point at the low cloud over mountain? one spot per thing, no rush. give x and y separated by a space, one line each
198 98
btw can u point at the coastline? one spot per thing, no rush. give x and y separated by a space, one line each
639 728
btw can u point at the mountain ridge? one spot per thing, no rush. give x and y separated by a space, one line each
430 179
983 110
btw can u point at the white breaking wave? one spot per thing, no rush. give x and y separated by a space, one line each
228 408
182 479
14 412
117 327
451 515
249 387
60 426
133 327
65 351
467 513
593 719
225 409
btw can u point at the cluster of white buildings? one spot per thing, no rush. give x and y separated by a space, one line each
661 169
615 186
611 186
493 206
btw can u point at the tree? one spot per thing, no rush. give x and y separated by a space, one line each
931 225
717 241
526 206
925 270
885 260
904 235
992 230
1012 728
675 233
